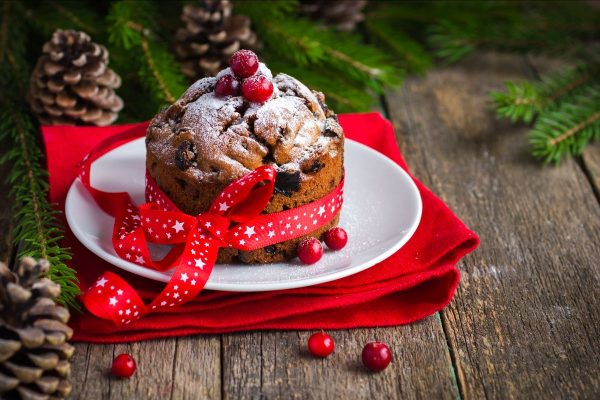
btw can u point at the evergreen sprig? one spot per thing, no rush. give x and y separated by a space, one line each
37 231
566 107
313 54
566 130
132 27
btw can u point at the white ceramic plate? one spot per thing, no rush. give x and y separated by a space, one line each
382 209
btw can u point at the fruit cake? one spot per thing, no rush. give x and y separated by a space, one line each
223 127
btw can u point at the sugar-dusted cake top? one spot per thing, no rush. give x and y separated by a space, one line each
222 134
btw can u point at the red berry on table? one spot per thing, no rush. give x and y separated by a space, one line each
257 88
244 63
123 366
320 344
376 356
310 250
336 238
227 85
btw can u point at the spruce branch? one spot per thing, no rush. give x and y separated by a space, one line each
523 101
567 129
37 231
133 31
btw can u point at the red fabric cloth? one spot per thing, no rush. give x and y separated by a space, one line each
415 282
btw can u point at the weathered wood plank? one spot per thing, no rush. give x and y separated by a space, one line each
176 368
591 159
277 365
525 319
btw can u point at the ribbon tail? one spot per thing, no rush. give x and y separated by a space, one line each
111 298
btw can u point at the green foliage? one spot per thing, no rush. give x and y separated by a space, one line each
132 30
315 54
566 106
567 129
37 232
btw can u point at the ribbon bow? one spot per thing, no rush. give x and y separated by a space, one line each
233 220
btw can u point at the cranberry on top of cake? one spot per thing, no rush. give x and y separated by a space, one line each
223 127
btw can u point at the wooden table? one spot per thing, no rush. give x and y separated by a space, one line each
525 319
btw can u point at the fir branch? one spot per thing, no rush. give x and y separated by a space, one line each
525 100
132 30
36 231
569 128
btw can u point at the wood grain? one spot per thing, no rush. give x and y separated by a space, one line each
525 318
174 368
277 365
591 160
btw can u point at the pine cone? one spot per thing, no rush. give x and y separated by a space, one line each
211 35
71 83
341 14
34 353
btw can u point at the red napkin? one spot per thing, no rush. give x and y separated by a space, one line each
415 282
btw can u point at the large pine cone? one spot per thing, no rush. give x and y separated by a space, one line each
340 14
72 84
34 353
211 35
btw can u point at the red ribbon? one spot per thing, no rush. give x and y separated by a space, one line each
233 220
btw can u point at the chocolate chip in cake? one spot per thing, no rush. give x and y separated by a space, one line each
271 249
287 182
315 167
186 155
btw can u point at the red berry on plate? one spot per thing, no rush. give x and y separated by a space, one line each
320 344
257 88
227 85
244 63
123 366
336 238
310 250
376 356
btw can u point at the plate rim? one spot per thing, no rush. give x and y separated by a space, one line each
130 267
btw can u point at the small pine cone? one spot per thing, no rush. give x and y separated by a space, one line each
340 14
72 84
34 352
211 35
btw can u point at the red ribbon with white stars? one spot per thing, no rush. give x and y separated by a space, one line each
233 220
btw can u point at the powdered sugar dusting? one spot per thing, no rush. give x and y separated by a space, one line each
233 136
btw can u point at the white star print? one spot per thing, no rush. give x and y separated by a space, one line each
321 211
176 295
199 263
112 301
128 311
139 260
184 277
168 235
223 206
270 224
287 225
249 231
178 226
298 226
119 292
128 256
271 234
193 282
208 224
101 282
242 242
